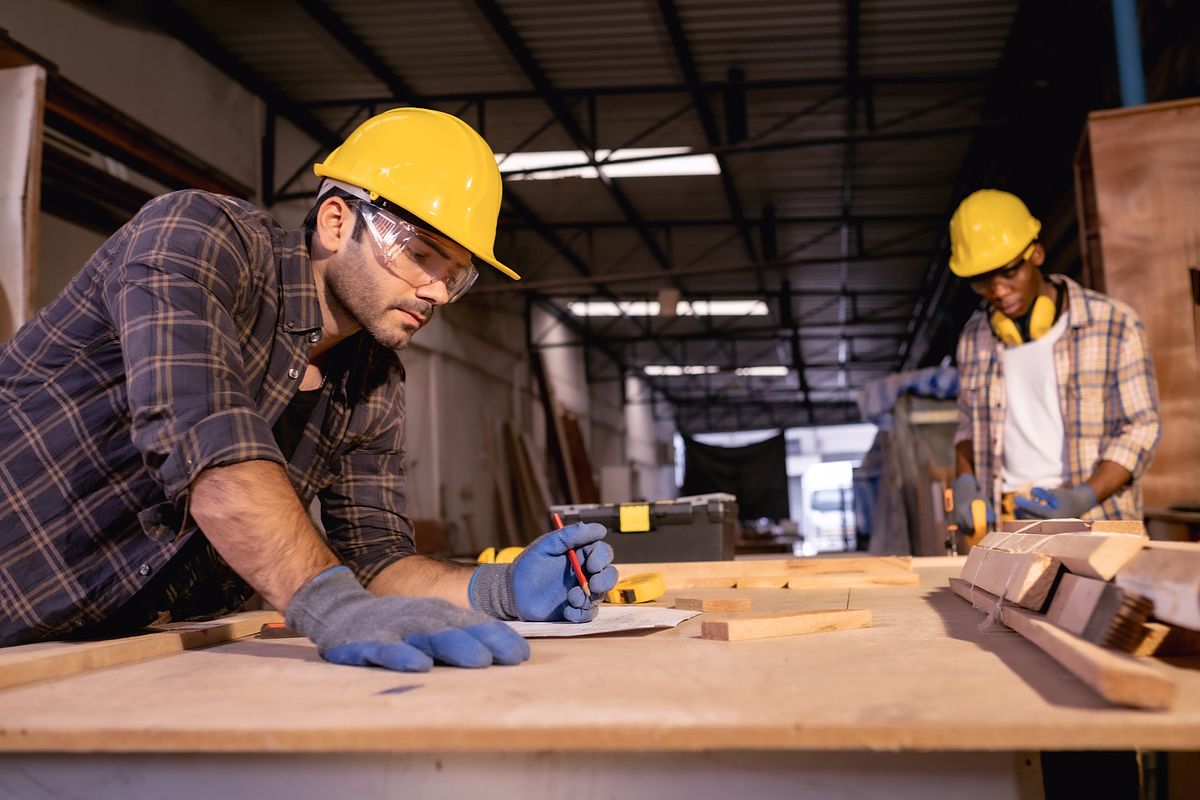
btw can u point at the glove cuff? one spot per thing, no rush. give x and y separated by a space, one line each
966 481
491 590
315 605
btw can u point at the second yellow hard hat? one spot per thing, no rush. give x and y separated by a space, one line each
989 229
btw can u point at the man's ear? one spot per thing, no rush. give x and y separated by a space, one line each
335 222
1038 256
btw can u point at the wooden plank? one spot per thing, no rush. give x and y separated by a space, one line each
698 574
839 579
29 663
1100 612
1117 677
762 582
1093 555
713 603
1133 527
581 464
702 583
1044 526
1167 641
784 623
1023 578
1168 574
502 482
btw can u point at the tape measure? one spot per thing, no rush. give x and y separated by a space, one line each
504 556
640 588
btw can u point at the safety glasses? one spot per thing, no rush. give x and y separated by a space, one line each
1006 274
417 257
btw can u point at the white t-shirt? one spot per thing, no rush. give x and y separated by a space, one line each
1033 427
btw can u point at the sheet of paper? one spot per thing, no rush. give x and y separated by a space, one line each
611 619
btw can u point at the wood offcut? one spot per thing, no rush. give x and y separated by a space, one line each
713 603
784 623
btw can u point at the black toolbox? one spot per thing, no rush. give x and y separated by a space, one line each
699 528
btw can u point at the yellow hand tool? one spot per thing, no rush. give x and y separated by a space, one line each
978 518
505 555
640 588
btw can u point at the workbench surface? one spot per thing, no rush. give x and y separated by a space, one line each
922 677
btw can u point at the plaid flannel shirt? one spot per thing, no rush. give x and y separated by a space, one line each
1106 390
175 349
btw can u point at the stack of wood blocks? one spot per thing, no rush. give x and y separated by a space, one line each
791 573
1095 596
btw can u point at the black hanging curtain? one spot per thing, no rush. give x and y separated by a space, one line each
756 473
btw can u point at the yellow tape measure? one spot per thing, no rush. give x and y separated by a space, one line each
504 556
640 588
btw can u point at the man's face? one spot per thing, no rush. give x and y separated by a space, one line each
377 294
1012 289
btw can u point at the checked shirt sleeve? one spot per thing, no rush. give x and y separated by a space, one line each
1134 421
172 295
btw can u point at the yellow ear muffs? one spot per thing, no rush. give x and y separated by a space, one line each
1006 330
1041 320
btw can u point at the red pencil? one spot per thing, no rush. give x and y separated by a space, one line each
575 565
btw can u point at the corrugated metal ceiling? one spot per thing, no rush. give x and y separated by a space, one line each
924 66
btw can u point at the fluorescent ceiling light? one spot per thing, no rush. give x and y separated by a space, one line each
661 370
684 308
701 164
766 372
721 308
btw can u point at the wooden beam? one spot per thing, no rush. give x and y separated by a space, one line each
784 623
29 663
1093 555
713 603
1168 573
1100 612
849 579
1117 677
1023 578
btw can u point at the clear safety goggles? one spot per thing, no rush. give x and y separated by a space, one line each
417 257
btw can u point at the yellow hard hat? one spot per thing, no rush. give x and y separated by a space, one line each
989 229
431 164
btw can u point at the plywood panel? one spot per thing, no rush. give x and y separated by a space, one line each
923 677
22 92
1145 178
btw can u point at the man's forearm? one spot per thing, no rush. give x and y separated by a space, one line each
964 458
426 577
1107 478
252 516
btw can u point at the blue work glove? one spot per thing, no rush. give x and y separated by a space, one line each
352 626
966 491
1065 501
540 586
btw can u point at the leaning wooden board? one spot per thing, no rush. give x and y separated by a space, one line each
45 660
1117 677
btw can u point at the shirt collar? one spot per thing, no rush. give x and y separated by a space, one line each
301 309
1077 305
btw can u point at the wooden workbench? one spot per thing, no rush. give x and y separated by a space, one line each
922 681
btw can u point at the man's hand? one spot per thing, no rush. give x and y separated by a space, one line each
352 626
540 586
966 491
1065 501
